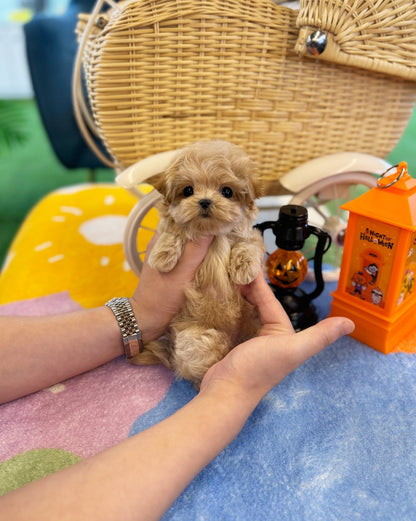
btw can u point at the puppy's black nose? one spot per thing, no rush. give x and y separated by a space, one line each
205 203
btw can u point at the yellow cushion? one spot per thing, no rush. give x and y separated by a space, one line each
72 241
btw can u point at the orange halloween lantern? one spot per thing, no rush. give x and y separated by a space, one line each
378 270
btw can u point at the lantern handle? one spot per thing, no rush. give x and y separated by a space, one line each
401 170
322 246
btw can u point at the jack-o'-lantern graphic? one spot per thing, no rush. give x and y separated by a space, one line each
286 269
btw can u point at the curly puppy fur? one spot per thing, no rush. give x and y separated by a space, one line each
209 189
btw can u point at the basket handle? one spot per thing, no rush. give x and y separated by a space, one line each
82 113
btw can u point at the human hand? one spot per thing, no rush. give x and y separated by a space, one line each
159 296
258 365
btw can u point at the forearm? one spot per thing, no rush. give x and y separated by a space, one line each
37 352
40 351
141 477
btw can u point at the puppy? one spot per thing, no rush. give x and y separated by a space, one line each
209 189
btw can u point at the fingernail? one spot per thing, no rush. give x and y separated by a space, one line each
348 326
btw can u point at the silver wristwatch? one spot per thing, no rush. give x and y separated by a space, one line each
130 332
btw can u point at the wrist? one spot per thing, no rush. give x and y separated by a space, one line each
231 391
148 321
223 407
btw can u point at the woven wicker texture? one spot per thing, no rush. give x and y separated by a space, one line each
377 35
163 74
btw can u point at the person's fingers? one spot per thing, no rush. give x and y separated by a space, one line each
151 243
269 308
311 341
149 247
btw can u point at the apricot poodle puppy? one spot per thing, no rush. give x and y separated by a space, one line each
209 189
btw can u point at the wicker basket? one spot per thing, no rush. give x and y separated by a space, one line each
377 35
161 74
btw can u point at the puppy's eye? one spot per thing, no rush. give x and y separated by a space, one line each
188 191
227 192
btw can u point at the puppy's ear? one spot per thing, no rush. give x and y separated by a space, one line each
245 169
164 182
158 182
257 186
254 191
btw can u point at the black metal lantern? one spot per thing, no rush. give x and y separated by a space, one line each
287 266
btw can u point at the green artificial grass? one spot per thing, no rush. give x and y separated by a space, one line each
29 170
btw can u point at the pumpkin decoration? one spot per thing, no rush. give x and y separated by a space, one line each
286 269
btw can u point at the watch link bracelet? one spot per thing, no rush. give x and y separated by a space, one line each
130 332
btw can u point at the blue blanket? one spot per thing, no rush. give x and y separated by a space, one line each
336 440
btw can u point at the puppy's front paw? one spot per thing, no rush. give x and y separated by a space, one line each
163 260
165 253
245 264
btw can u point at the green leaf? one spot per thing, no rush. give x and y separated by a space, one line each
13 126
